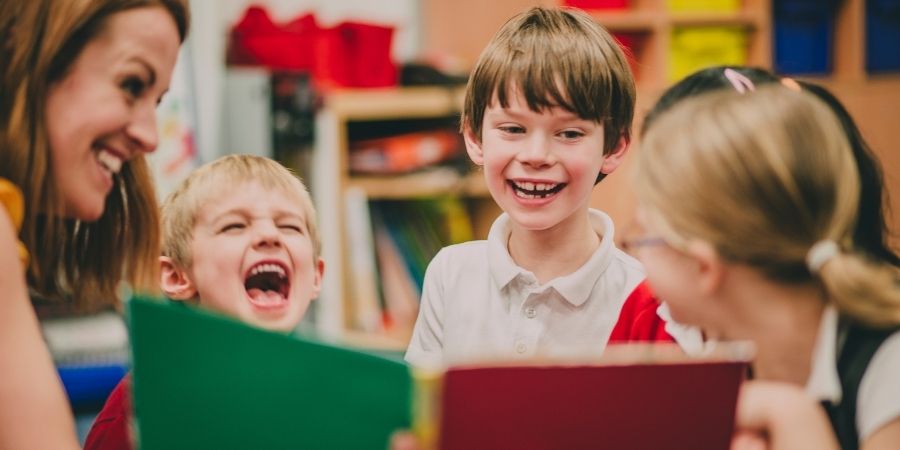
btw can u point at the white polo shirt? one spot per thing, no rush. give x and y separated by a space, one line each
477 303
878 400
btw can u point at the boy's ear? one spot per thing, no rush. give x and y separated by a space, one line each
174 282
710 267
614 159
317 279
473 146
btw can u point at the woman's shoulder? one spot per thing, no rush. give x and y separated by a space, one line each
14 205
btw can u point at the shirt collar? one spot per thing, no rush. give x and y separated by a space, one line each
576 287
824 382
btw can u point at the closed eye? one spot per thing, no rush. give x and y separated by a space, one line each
232 227
291 228
511 129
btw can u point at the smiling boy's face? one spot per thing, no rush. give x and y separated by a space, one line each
253 258
540 166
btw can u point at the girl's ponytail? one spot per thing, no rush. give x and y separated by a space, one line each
860 287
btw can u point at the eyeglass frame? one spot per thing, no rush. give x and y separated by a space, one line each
646 241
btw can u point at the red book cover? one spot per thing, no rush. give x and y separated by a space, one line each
667 405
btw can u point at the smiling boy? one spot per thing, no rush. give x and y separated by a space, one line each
239 238
547 115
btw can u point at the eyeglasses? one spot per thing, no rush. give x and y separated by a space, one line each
635 237
630 245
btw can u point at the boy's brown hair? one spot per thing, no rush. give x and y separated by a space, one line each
554 57
179 211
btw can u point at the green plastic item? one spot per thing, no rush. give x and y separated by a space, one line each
207 381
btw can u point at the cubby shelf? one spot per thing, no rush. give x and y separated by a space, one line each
332 180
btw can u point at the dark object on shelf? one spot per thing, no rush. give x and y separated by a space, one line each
882 36
415 74
87 386
803 35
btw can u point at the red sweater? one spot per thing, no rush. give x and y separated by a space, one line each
638 322
111 428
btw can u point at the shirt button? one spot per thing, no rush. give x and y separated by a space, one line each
521 347
530 312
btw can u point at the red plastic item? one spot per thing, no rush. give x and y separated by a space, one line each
355 54
257 40
631 45
404 152
349 54
598 4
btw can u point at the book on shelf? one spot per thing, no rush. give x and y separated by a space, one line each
407 234
398 288
361 249
202 380
404 152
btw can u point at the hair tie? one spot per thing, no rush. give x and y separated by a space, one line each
741 83
821 253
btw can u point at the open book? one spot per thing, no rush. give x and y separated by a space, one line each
206 381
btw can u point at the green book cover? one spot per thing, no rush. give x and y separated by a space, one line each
206 381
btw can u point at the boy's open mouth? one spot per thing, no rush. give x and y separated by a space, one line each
268 285
529 190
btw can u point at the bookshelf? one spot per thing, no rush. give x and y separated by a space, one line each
335 184
652 25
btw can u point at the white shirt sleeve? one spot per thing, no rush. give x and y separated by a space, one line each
878 401
426 345
689 338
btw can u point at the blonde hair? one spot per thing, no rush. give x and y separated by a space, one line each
763 177
555 57
179 210
39 42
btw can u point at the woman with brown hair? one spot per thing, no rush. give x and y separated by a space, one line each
80 83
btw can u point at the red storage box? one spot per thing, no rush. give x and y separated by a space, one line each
355 55
597 4
257 40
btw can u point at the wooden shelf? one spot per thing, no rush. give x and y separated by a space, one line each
648 21
745 19
339 306
431 183
627 20
394 103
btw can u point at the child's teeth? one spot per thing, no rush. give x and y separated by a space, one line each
110 161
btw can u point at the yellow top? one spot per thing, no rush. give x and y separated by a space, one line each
11 199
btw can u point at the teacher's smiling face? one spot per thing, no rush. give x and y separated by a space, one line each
102 113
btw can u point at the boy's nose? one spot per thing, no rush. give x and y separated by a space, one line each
536 152
267 235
